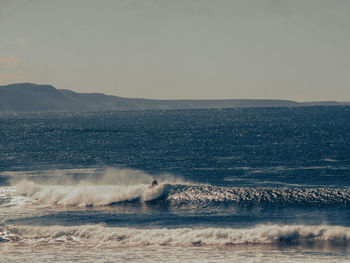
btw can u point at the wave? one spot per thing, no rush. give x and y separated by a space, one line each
100 235
195 194
87 195
88 187
94 187
83 194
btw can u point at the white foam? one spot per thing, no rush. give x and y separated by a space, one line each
153 193
96 188
100 235
84 194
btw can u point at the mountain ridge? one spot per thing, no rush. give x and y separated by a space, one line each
30 97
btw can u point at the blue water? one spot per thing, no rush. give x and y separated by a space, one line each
224 169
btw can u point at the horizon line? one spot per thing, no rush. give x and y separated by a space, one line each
197 99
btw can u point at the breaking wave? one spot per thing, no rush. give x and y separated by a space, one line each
180 195
106 187
100 235
87 195
95 188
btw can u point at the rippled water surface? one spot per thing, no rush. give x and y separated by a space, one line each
250 185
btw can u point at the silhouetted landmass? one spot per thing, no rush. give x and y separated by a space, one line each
28 97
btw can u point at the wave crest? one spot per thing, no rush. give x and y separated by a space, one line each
262 195
100 235
90 194
87 195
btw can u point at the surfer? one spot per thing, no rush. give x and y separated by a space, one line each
154 184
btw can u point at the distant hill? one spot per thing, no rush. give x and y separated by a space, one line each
28 97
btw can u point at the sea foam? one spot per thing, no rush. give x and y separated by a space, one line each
87 195
100 235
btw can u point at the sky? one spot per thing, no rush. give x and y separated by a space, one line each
180 49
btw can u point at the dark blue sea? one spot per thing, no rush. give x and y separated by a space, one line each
242 185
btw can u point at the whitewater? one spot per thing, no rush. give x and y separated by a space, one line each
242 185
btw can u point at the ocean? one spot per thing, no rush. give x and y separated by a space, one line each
234 185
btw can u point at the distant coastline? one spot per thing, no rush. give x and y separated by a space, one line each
29 97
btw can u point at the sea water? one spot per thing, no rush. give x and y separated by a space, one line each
240 185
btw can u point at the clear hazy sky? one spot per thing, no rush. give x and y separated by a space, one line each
296 49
